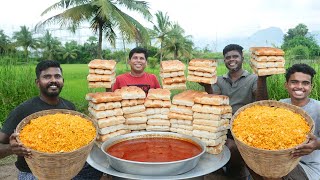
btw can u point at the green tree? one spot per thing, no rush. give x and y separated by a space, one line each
24 38
51 46
104 16
70 51
4 43
161 29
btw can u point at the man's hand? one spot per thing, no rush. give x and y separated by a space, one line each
306 149
18 148
207 88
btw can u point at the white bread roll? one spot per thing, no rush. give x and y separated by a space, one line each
106 113
101 71
136 127
173 115
181 109
182 122
155 103
131 102
157 122
99 77
175 86
212 109
110 121
268 71
100 84
158 116
186 98
263 65
205 80
172 66
209 135
202 69
160 94
203 62
133 109
212 99
131 92
104 137
157 128
174 80
181 126
266 51
214 142
215 149
211 129
102 64
136 120
210 122
151 111
171 74
111 129
206 116
202 74
103 97
104 106
181 131
139 114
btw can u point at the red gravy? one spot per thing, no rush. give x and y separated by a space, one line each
154 149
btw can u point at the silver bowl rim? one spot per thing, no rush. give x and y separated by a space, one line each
113 140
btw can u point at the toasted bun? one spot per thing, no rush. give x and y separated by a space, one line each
131 92
186 98
174 80
151 111
261 65
110 121
111 129
158 122
136 120
104 106
106 113
157 103
181 131
102 71
212 109
202 69
214 142
181 126
268 58
160 94
205 80
131 102
203 62
103 97
171 74
158 128
100 84
268 71
102 64
139 114
209 135
204 122
175 86
172 66
268 51
202 74
133 109
135 127
173 115
98 77
212 99
215 149
105 137
182 122
181 109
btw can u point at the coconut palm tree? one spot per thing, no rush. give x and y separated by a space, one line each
105 18
70 51
24 39
51 46
161 29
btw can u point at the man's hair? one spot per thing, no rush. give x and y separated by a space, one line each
43 65
303 68
138 50
232 47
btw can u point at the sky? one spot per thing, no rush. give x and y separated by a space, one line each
199 18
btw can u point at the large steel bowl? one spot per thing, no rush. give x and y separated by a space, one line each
152 168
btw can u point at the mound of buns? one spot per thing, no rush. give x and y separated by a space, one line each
133 107
181 114
211 117
172 74
101 73
267 61
105 109
202 71
158 100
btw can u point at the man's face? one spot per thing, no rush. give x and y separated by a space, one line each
233 60
299 86
138 62
50 82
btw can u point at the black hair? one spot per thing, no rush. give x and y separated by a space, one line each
303 68
43 65
138 50
232 47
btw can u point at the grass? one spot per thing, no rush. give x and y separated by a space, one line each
17 84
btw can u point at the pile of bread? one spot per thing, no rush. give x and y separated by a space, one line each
202 71
267 61
172 74
101 73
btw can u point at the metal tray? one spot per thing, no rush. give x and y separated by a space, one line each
208 163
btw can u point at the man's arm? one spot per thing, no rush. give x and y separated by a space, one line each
305 149
5 149
261 92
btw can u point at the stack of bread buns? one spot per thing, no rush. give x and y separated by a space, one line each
211 118
101 73
133 107
202 71
172 74
105 109
267 61
181 114
158 99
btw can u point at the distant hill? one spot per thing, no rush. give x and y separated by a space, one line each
265 37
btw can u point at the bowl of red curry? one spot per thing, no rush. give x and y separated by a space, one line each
153 153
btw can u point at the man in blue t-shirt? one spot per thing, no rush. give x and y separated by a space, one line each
50 83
